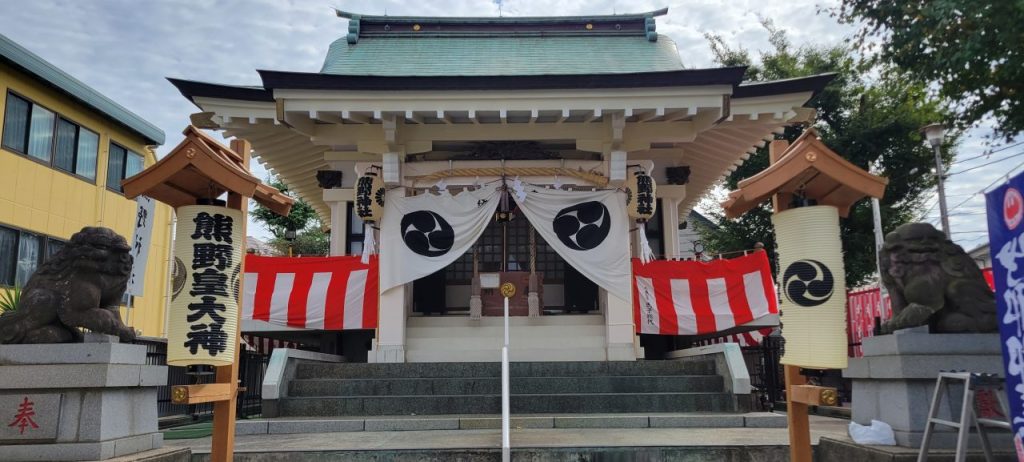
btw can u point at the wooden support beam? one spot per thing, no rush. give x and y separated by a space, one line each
813 395
223 445
357 118
796 417
197 394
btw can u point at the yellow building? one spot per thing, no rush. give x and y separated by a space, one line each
64 149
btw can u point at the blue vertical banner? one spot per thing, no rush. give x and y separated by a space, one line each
1005 211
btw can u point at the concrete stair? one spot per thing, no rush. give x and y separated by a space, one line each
546 338
325 389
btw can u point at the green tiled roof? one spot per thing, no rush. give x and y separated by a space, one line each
508 55
53 76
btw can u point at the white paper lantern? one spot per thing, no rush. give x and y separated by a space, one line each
369 200
641 202
203 316
813 283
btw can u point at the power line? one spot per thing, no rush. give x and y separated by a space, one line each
986 153
986 164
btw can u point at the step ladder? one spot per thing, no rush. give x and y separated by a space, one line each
968 413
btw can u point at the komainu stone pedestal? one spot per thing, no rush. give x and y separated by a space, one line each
84 401
895 380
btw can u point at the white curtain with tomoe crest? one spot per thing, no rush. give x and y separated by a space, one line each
422 234
589 229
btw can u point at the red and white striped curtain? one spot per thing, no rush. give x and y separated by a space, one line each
744 339
696 298
862 307
329 293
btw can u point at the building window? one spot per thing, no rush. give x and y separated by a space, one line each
512 243
41 134
121 164
355 232
21 253
29 256
654 234
8 255
16 117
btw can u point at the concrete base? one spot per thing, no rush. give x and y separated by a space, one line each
103 399
895 380
843 449
386 353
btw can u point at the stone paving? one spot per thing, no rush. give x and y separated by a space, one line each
522 438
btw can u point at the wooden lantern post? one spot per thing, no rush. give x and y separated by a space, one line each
201 168
811 173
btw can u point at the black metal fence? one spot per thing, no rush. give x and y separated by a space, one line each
252 368
766 378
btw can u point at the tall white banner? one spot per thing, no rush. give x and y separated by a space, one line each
422 234
141 240
589 229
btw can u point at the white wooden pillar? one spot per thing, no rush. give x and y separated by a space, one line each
338 200
618 317
671 197
389 345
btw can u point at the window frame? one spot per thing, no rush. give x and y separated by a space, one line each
124 166
44 244
51 163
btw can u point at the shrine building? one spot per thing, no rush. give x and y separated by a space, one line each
536 124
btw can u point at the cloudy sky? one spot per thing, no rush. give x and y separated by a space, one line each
125 49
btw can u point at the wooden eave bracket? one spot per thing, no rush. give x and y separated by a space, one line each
806 154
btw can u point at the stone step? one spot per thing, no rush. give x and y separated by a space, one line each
492 385
493 369
554 339
520 404
287 425
516 334
497 321
701 453
416 354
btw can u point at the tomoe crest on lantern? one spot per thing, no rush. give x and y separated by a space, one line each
640 198
369 200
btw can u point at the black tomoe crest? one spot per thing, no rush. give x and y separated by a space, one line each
427 233
808 283
583 226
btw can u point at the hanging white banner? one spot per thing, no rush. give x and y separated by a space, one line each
422 234
589 229
141 240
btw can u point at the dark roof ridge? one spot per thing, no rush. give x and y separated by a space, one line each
499 19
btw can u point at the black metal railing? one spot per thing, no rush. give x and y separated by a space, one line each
766 378
252 368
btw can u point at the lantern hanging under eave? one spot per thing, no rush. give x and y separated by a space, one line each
203 314
369 206
641 204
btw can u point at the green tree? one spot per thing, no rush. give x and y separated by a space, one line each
301 216
871 123
969 49
308 243
310 238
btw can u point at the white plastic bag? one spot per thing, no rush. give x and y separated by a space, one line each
879 433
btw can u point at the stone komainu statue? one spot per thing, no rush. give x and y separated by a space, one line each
933 282
79 286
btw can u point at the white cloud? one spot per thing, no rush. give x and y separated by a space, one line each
125 48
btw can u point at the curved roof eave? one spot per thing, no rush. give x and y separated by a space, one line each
191 89
33 64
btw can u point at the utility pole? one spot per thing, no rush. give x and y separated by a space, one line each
935 133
